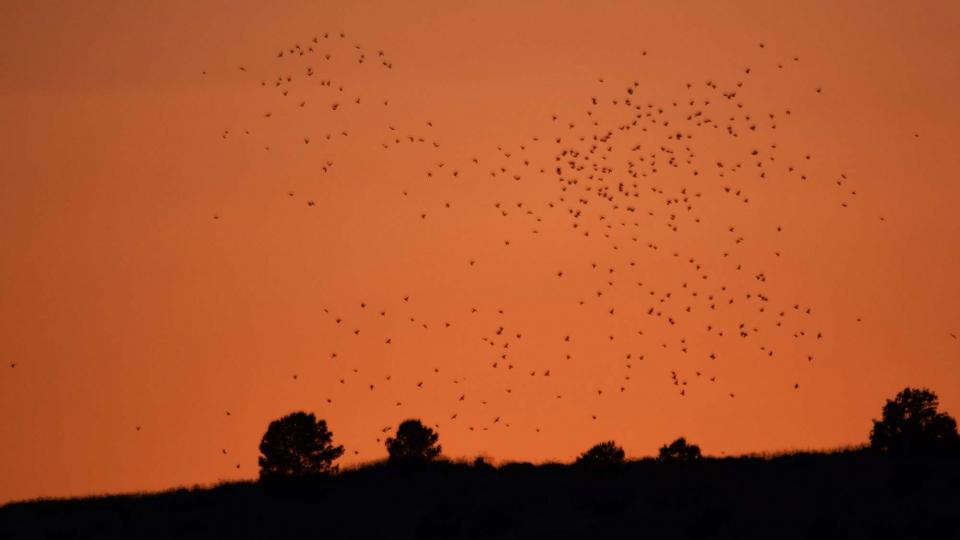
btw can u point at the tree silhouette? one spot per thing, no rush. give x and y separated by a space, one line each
912 425
605 454
414 443
297 445
679 452
481 463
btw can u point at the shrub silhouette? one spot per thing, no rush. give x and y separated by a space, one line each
414 443
679 452
605 454
297 445
912 425
481 463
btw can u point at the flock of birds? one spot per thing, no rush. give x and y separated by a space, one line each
631 175
626 172
620 166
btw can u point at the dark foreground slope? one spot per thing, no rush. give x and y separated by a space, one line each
845 495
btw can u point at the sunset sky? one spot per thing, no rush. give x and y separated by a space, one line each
179 238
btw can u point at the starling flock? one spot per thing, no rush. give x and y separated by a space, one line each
634 176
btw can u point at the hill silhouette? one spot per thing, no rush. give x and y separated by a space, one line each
902 485
850 493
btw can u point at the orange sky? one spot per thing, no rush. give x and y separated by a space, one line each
124 303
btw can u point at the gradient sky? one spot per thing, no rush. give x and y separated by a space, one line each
124 302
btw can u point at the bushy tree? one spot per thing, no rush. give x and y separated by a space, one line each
605 454
911 424
297 445
679 451
414 443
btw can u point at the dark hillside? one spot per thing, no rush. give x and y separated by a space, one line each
845 495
